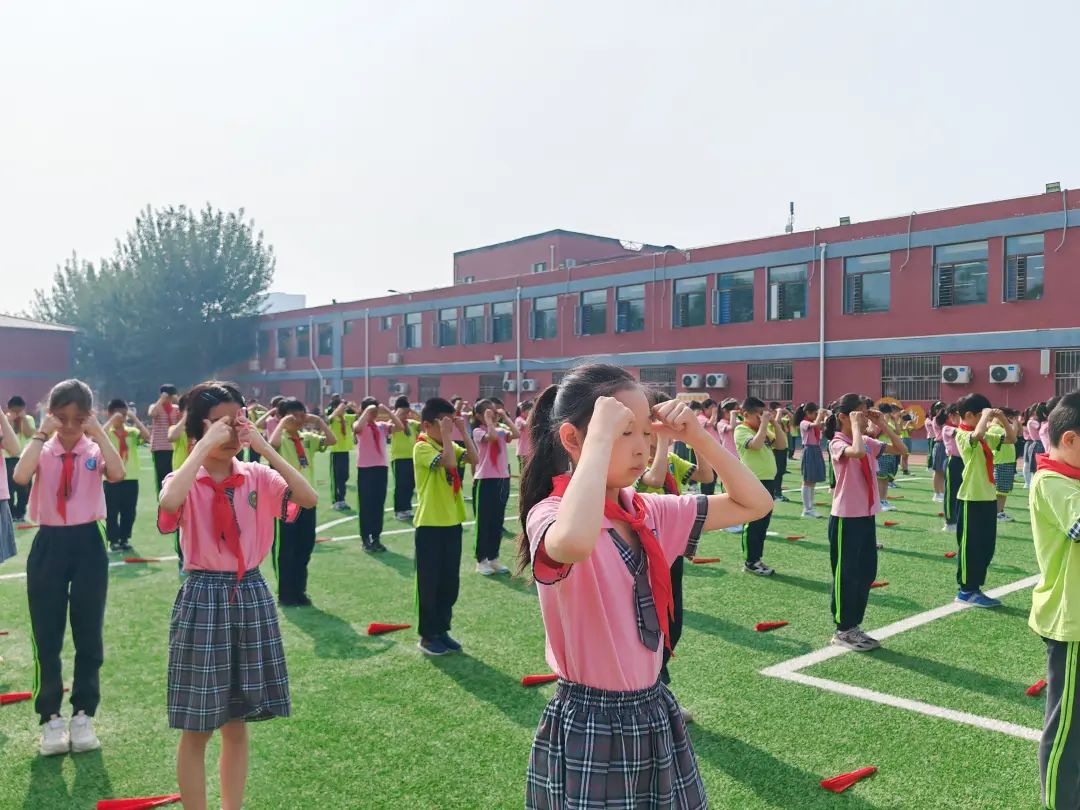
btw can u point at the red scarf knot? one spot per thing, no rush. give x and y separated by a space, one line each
298 445
67 483
225 526
453 475
121 441
987 452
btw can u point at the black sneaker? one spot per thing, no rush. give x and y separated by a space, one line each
304 601
378 547
114 546
449 643
125 545
369 546
433 646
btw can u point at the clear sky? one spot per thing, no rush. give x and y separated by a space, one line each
371 140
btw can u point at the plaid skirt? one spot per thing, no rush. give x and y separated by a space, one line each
7 530
941 458
1004 475
595 748
887 466
813 464
226 660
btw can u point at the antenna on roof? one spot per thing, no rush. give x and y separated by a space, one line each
791 218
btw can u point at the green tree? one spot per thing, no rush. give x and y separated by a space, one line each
175 303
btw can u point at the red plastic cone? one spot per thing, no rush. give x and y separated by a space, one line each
142 559
941 514
764 627
892 523
950 554
795 537
838 784
15 697
4 632
895 497
378 628
538 680
705 560
323 539
24 526
822 503
1036 688
138 803
879 584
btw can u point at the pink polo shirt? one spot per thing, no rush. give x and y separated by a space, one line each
5 493
524 442
262 497
1044 435
948 436
726 431
371 445
87 501
495 465
810 433
588 608
270 425
853 495
932 430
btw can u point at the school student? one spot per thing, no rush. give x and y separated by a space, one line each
1055 527
852 529
976 526
440 513
373 430
811 420
122 498
68 458
9 444
523 447
492 432
401 446
903 423
601 555
163 414
758 438
341 416
226 659
888 464
24 426
784 419
1036 415
298 437
936 458
1005 461
949 422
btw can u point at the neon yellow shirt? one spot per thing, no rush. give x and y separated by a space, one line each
1054 501
1006 453
976 485
438 504
311 443
681 470
401 442
344 435
132 466
760 462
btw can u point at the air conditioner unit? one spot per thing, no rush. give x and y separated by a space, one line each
399 389
956 375
528 384
691 381
394 358
1005 373
509 386
279 362
253 365
327 387
716 380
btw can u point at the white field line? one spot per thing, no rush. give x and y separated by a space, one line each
403 531
113 564
790 670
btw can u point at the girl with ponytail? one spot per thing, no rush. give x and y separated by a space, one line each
810 421
948 420
601 554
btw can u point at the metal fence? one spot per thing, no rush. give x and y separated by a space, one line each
911 377
662 378
769 381
1066 372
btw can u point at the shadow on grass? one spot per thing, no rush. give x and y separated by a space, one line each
775 782
743 636
334 637
48 787
878 596
971 680
520 584
398 562
521 705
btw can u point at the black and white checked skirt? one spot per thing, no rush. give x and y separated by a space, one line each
887 466
1005 477
595 748
813 464
226 660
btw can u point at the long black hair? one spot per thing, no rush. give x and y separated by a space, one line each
848 403
478 412
572 400
944 414
803 410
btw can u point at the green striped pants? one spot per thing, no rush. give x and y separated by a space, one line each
1059 750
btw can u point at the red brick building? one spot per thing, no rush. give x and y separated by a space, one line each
34 356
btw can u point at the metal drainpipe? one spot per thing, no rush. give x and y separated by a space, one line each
367 353
312 337
821 326
517 338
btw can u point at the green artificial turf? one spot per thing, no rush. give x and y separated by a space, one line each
376 724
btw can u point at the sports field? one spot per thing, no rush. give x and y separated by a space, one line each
940 709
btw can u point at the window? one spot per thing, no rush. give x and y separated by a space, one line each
410 337
960 273
263 341
303 341
502 322
473 330
787 294
769 382
866 284
1024 268
468 279
662 378
312 395
326 339
490 386
427 388
689 302
630 309
592 314
347 329
346 386
539 267
284 342
447 328
386 323
733 298
912 377
1066 372
544 318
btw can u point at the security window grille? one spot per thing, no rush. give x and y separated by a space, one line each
733 298
787 293
689 302
911 377
1024 268
473 331
502 322
769 381
960 274
866 284
446 334
409 337
326 339
539 267
592 314
1066 372
303 341
490 386
662 378
544 318
427 388
386 323
630 309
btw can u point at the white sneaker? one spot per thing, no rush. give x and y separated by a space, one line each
687 718
82 734
810 513
938 498
949 527
734 529
55 738
1004 518
484 567
887 507
497 567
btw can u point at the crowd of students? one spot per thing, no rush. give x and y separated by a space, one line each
608 515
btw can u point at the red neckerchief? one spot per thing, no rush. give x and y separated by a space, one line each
671 486
816 430
659 571
67 482
455 476
301 455
375 435
121 441
1044 462
987 452
867 471
225 526
493 448
168 406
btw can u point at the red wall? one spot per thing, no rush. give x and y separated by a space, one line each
517 258
31 362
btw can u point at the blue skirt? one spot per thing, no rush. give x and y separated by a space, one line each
813 464
7 531
941 458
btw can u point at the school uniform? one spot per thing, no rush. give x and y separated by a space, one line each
524 442
1038 446
226 659
1055 527
161 449
610 714
68 568
954 474
888 465
852 529
762 463
813 463
342 428
295 539
372 478
939 458
19 494
401 445
781 464
1004 462
976 525
931 439
122 497
490 491
7 525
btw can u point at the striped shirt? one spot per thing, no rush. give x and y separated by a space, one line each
159 428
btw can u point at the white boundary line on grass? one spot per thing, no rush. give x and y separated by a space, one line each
790 670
